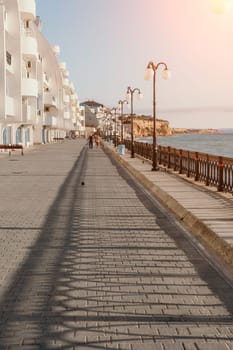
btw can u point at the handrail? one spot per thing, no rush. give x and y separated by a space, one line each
213 170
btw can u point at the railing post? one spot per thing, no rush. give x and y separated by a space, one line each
220 174
169 157
144 150
207 170
160 155
151 152
197 161
180 172
148 151
188 160
174 159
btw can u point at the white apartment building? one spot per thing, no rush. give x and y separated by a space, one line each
38 103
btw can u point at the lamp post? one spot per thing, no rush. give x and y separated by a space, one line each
105 127
129 95
121 104
115 113
109 118
149 74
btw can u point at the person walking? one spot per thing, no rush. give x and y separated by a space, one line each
90 141
97 140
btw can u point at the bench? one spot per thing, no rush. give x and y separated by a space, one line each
58 139
12 147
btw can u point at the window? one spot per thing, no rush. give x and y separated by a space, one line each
26 24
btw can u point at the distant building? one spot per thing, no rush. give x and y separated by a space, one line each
37 100
94 113
92 105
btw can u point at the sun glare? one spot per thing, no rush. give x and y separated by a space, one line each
228 4
220 6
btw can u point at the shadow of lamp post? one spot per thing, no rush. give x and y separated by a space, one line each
151 74
129 96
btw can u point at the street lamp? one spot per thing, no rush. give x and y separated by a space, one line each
106 126
109 128
149 74
120 104
129 96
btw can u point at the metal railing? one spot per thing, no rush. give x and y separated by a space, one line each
213 170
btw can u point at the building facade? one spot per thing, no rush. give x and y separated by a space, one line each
38 103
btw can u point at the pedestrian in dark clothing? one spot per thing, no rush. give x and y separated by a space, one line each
90 141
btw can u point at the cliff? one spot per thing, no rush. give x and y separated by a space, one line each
143 127
193 131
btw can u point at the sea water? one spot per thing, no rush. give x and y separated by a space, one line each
216 144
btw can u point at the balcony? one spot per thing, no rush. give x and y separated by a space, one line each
10 106
72 88
50 121
66 73
66 115
56 49
29 87
66 99
29 46
28 9
66 83
74 97
49 100
6 26
62 65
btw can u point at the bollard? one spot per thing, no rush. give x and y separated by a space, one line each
121 149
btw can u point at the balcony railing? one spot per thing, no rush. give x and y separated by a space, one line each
49 99
211 170
50 121
10 106
29 87
29 45
66 115
28 9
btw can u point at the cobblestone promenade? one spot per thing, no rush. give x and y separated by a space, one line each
98 265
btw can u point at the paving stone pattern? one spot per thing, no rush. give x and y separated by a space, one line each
99 266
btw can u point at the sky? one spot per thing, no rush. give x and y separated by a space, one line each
107 45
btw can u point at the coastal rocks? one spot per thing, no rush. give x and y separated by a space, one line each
194 131
143 127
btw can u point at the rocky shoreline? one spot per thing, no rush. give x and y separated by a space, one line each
143 127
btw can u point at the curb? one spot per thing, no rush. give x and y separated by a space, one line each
217 247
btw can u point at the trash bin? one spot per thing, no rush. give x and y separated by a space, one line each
121 149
